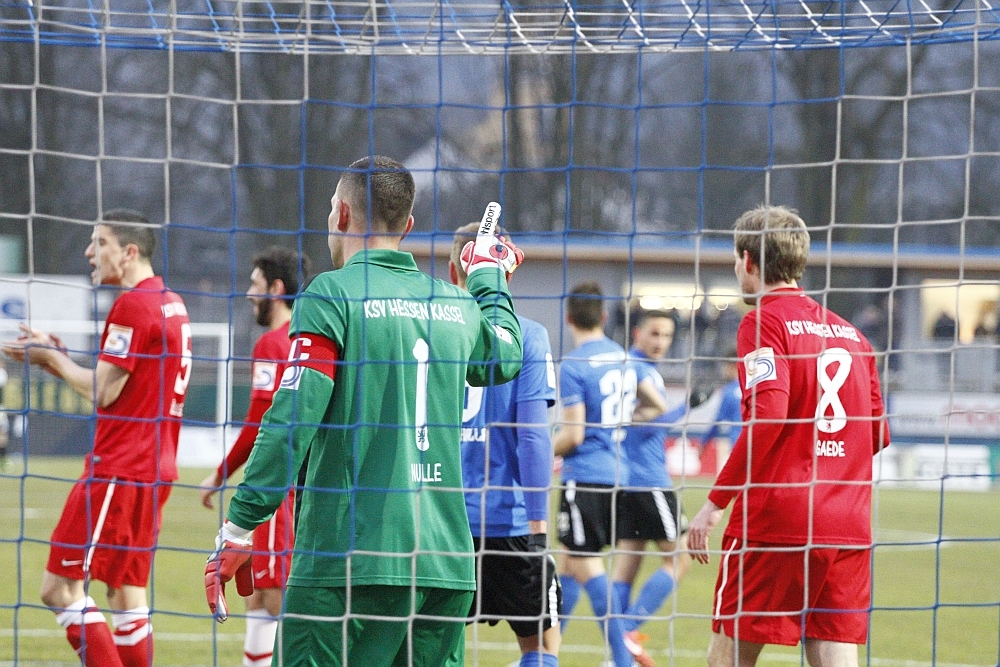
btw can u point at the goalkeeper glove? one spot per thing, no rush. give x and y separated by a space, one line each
231 558
697 397
491 251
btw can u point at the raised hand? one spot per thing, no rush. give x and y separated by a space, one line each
500 253
489 249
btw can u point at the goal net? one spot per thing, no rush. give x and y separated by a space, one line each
623 139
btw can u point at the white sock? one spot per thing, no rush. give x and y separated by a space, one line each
259 643
75 613
131 626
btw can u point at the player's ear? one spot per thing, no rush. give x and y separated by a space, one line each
277 288
343 216
409 226
452 272
130 252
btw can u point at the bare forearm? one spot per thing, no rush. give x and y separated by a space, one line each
81 379
651 401
565 440
538 527
571 434
646 414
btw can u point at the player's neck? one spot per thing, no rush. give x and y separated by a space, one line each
354 244
582 336
781 284
135 274
280 315
645 354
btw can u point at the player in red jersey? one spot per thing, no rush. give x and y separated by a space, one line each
800 472
109 525
274 282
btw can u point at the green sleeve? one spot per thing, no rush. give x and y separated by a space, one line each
286 433
317 312
497 356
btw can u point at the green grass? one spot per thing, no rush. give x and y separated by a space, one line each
935 602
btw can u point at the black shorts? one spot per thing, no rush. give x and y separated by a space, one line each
514 583
586 517
650 515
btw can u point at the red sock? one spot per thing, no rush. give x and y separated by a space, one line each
89 635
134 637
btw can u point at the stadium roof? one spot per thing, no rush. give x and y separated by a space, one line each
645 250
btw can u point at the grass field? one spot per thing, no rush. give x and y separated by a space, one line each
937 588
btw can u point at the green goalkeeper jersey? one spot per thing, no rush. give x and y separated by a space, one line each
383 501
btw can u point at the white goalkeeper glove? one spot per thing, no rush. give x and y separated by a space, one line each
490 250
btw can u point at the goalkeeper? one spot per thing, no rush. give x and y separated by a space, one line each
372 402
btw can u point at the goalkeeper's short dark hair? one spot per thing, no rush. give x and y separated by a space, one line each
286 265
383 188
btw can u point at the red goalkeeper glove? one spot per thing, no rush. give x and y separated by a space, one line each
231 558
491 251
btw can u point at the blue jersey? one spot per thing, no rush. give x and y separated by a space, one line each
519 457
728 420
599 375
644 443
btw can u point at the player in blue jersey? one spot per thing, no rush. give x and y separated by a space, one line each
648 510
599 391
728 420
507 498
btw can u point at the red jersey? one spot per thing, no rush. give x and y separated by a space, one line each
270 356
149 335
815 418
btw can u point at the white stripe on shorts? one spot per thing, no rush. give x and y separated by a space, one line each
666 517
575 518
725 579
553 591
100 524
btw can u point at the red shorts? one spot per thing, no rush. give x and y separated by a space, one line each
834 606
272 547
108 531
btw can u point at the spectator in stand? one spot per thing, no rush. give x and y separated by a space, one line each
944 327
5 464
